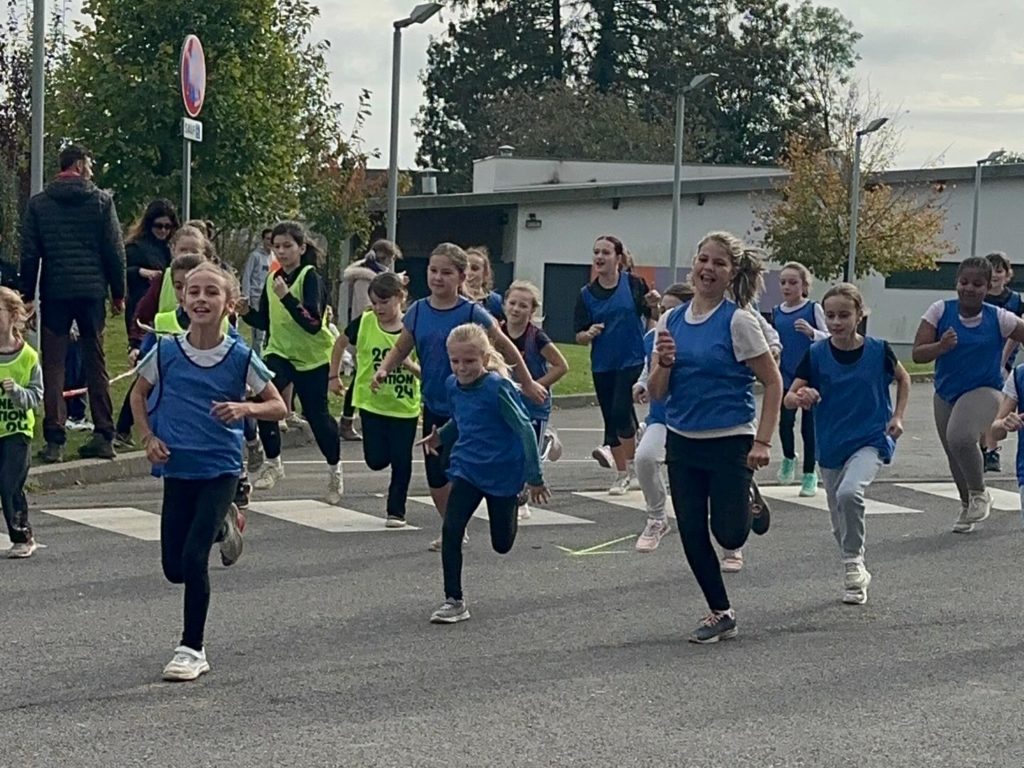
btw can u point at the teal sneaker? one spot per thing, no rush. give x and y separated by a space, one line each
809 484
787 472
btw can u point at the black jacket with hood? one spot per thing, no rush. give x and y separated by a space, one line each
72 234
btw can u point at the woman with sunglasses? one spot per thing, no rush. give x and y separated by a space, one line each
147 255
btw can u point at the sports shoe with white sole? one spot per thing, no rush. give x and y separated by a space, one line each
620 487
186 665
22 549
395 522
552 446
717 625
652 535
524 512
231 546
270 473
962 524
254 455
732 560
435 545
335 487
451 612
603 456
979 506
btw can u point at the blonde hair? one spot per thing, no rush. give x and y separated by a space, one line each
748 271
471 333
454 254
804 272
847 291
527 287
11 301
190 230
228 279
487 283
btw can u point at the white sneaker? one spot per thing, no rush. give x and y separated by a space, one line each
335 486
395 522
603 456
270 473
979 506
435 545
856 576
652 535
732 560
963 524
22 549
187 664
552 446
524 512
620 487
79 425
634 481
294 421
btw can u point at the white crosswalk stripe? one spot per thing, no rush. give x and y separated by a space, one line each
538 515
631 500
791 495
126 521
323 517
5 543
1005 500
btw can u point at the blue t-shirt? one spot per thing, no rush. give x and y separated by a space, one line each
430 328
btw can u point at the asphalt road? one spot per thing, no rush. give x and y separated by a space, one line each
322 654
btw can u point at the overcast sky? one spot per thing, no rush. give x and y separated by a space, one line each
954 68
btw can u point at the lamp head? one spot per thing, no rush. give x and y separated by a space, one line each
992 156
873 126
423 11
701 80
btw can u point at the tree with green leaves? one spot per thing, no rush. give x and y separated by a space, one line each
898 228
270 126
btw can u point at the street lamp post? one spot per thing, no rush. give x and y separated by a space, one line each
874 125
992 157
697 82
419 15
38 93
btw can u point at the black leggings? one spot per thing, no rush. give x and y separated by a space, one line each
14 463
436 466
311 389
462 503
348 410
125 418
710 476
192 515
787 421
614 390
387 442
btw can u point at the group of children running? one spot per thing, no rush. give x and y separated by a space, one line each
475 370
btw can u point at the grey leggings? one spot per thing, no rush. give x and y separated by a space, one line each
960 426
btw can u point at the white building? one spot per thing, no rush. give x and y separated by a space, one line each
539 219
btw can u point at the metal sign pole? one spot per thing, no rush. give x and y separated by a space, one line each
186 179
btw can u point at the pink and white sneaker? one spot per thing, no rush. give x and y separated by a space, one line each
654 532
732 560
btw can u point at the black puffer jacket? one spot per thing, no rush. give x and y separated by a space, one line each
71 232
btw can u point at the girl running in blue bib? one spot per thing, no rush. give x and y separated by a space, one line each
426 327
611 317
708 355
965 338
479 285
189 403
1002 296
544 360
799 322
493 453
846 380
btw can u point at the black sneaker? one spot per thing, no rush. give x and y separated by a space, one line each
760 515
992 463
242 493
715 626
52 453
98 447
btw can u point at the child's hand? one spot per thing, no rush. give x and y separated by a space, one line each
807 397
948 341
640 394
651 298
665 348
242 307
280 286
8 385
895 428
538 393
335 385
133 356
378 379
595 330
156 450
230 411
759 456
539 494
805 328
431 443
1012 422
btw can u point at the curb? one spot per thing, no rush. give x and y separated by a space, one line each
587 399
131 464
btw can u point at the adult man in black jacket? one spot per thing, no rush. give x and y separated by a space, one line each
71 241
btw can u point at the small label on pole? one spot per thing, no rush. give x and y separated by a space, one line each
191 129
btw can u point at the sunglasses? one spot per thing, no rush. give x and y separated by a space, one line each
168 227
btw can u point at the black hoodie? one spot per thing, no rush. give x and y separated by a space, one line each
72 233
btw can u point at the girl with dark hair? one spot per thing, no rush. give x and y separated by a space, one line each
965 336
292 310
707 355
147 254
611 316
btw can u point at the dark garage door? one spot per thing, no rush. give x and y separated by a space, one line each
562 283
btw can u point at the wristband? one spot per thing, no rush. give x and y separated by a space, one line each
765 443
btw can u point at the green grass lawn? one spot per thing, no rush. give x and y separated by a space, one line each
913 367
577 380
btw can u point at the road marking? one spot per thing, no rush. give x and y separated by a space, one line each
323 517
791 495
127 521
631 500
1004 500
5 543
599 549
538 515
320 462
